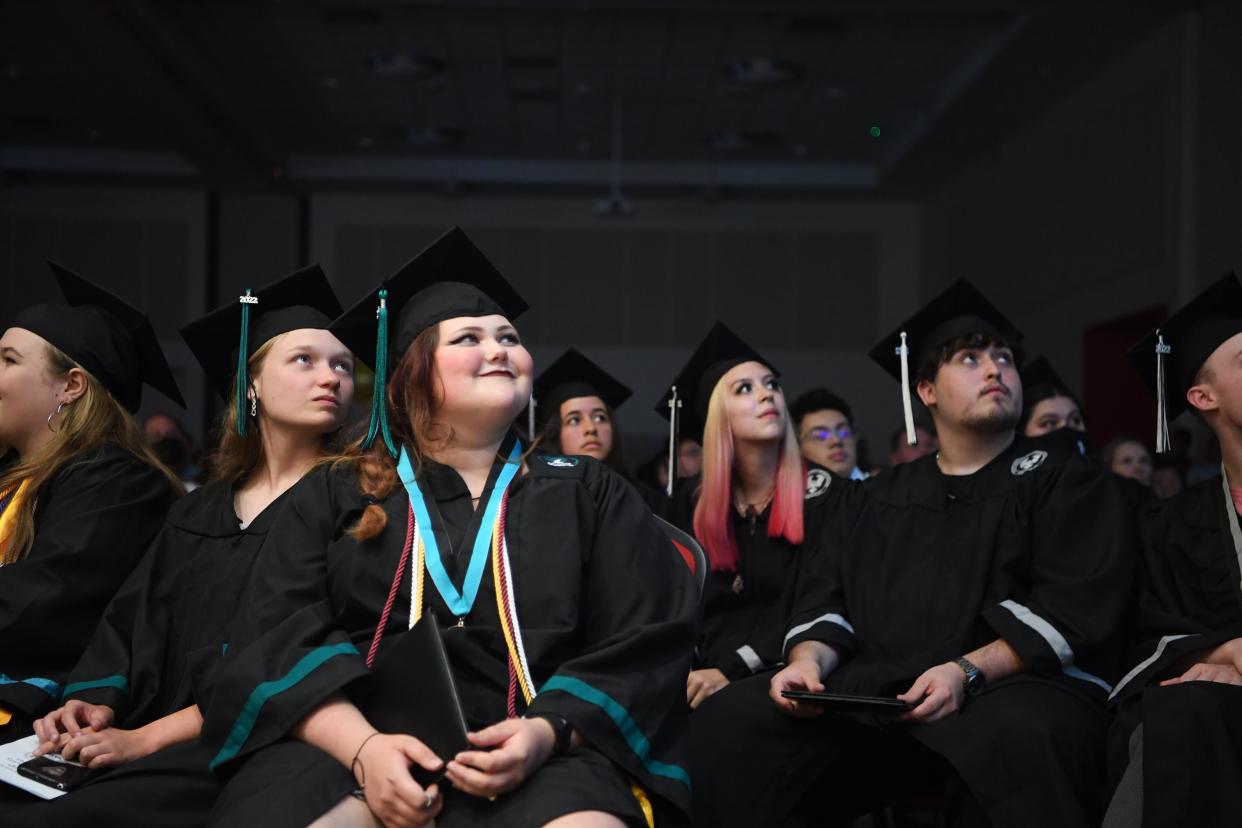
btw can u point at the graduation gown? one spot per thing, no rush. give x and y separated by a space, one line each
160 640
746 611
93 521
606 607
918 568
1189 602
167 628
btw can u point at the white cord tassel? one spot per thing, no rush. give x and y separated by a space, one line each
903 351
1162 405
674 406
530 418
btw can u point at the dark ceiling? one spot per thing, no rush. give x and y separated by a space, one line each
873 98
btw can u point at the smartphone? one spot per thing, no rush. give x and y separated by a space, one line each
60 774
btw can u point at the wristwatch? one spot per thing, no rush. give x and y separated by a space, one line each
974 680
563 729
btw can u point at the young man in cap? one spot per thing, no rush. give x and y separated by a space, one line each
984 586
1178 733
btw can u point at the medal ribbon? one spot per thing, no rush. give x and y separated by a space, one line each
459 603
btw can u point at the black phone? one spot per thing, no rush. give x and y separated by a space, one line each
876 705
60 774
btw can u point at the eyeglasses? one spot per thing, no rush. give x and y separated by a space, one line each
822 434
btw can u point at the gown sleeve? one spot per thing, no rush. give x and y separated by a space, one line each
93 523
1172 622
287 653
820 612
625 688
1070 618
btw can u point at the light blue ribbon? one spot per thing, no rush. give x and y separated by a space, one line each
459 603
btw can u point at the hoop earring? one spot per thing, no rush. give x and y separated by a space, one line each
59 408
254 406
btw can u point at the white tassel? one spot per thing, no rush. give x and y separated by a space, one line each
903 351
530 418
674 407
1162 405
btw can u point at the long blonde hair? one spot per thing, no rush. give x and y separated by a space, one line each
235 454
91 421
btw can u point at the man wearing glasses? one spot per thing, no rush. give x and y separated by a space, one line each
826 432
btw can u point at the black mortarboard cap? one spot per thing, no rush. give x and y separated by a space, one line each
107 336
573 375
1039 372
719 352
449 278
1169 357
303 299
961 310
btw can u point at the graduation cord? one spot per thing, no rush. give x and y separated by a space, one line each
519 670
392 590
518 667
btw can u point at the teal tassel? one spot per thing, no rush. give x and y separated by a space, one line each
379 406
243 376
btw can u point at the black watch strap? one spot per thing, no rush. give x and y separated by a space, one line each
563 729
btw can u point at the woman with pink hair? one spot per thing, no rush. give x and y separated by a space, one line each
751 509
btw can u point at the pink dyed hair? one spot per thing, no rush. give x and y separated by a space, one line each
713 523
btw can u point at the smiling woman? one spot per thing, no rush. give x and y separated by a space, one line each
566 615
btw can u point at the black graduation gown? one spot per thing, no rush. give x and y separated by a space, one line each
1189 602
94 520
918 568
746 612
605 603
167 628
160 640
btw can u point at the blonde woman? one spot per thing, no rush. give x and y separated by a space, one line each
84 495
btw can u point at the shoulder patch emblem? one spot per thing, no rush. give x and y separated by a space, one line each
557 461
1029 462
817 482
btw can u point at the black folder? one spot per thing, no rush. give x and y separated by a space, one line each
841 703
412 691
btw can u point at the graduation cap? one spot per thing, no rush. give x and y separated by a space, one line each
224 340
572 375
1170 356
961 310
717 354
449 278
1039 372
107 336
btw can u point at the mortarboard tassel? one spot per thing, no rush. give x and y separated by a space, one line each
243 354
903 351
1162 406
674 406
379 402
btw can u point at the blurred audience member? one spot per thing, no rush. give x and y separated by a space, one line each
1128 457
825 428
173 445
899 451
